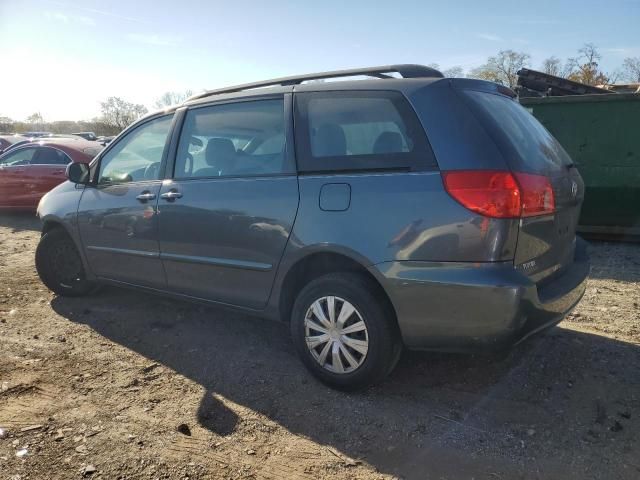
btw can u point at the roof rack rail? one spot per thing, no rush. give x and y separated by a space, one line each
405 70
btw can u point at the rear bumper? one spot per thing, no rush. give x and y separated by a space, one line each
477 306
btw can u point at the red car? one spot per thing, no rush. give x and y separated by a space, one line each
7 141
29 171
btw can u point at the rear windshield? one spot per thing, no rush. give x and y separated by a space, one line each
528 146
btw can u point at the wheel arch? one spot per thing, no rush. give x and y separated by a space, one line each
320 262
52 222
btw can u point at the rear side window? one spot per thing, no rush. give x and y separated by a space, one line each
233 140
51 156
528 146
355 130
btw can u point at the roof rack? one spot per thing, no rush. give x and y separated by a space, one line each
405 70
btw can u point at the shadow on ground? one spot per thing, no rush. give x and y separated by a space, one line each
19 221
564 405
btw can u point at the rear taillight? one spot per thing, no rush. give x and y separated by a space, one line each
536 194
500 194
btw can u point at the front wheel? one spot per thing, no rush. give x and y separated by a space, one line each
344 333
59 265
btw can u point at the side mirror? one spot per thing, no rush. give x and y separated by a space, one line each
78 173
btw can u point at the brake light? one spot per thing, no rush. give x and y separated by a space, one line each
500 194
536 194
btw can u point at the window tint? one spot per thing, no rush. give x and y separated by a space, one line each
355 126
138 155
19 157
51 156
531 147
271 145
237 139
359 131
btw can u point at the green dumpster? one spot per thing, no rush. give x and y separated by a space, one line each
602 135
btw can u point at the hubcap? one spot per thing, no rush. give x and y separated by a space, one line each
336 334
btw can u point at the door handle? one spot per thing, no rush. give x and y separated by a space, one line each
145 196
171 195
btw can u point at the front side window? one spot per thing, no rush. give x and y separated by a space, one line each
18 158
51 156
358 131
234 139
138 155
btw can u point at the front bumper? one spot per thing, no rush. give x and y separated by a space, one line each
477 306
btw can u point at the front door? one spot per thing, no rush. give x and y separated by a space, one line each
117 214
226 216
46 171
14 189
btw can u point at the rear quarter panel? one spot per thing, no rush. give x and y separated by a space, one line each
399 216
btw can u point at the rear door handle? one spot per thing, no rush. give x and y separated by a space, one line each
171 195
146 196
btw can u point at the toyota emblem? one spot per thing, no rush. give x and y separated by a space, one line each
574 189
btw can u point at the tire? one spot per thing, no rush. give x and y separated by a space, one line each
59 265
381 335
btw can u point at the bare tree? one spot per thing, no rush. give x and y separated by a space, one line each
6 124
588 68
552 66
631 69
454 72
570 67
172 98
502 68
36 120
119 113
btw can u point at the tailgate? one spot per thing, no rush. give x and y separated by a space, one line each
546 244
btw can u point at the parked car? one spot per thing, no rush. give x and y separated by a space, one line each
30 170
37 134
7 141
420 211
86 135
104 140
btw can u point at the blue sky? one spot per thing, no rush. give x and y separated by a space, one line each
65 56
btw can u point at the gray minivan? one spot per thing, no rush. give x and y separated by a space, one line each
402 210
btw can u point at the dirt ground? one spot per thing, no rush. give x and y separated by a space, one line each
124 385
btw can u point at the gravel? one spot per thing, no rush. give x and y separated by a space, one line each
123 373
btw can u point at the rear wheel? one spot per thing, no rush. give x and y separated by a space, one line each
59 265
344 335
